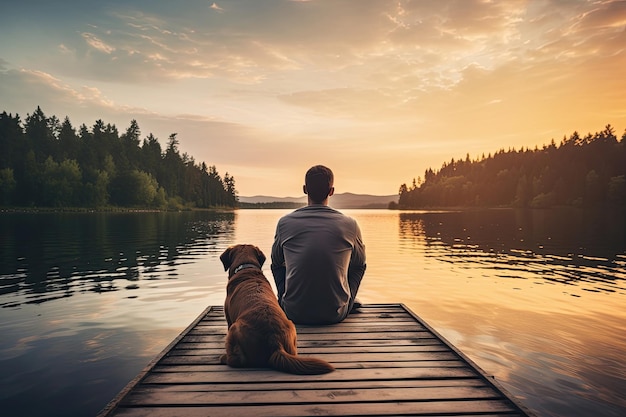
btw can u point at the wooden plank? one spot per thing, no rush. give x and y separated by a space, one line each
328 349
388 362
424 408
188 343
389 357
343 362
313 396
255 374
353 328
343 336
191 342
271 385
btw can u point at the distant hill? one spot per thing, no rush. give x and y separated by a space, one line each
338 201
268 199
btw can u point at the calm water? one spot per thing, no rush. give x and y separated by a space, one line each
535 298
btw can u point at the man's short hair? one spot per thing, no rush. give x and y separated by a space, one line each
318 180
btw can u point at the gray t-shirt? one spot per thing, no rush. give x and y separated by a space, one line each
317 254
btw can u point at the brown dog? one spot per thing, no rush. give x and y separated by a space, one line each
259 332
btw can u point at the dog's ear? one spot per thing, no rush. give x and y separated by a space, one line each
260 256
225 258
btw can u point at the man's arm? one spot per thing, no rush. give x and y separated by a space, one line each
357 267
279 271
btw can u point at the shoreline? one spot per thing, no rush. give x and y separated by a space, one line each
35 210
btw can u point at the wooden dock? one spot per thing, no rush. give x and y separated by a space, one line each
389 363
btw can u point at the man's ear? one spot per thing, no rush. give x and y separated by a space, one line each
304 189
332 191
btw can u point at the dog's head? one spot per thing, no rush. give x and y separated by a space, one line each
239 255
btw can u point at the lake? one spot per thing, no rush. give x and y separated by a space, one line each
536 298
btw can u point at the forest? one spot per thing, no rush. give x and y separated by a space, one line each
582 171
45 162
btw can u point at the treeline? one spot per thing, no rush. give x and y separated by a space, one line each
588 171
48 163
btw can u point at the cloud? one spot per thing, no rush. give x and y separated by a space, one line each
272 86
262 41
97 44
31 88
214 6
604 15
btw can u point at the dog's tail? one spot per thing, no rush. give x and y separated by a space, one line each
284 361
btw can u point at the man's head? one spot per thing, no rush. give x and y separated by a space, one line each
318 184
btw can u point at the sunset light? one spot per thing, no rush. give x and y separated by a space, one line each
379 91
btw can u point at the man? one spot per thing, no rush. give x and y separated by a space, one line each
318 256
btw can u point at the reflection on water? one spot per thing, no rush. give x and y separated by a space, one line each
571 247
54 255
536 298
87 300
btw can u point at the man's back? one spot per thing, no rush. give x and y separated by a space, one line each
320 251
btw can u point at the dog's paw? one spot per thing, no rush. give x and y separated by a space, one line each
224 359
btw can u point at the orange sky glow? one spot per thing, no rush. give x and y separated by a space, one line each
379 91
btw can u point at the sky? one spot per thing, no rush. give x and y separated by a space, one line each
377 90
